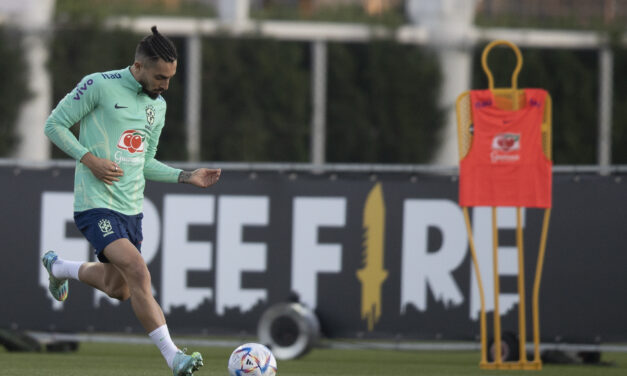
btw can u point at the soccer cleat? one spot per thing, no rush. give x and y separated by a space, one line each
58 287
186 365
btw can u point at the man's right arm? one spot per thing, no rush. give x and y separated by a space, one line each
70 110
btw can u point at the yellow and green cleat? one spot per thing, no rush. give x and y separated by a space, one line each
186 365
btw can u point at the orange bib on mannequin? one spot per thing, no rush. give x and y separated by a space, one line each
506 165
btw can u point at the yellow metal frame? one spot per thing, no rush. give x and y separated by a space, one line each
510 97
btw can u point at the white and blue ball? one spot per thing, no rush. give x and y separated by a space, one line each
252 359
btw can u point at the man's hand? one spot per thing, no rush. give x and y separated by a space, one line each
202 177
103 169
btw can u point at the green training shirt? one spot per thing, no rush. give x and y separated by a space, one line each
119 122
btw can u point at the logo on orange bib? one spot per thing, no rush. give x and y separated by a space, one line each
504 146
506 142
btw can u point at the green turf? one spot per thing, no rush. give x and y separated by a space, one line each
97 359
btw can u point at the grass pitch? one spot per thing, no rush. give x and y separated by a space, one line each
96 359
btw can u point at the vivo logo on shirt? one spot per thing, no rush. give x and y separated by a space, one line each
81 89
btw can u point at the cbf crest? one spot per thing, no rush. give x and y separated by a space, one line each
150 116
105 227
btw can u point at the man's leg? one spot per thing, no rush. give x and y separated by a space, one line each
123 255
106 278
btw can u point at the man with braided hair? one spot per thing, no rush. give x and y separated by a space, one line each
121 116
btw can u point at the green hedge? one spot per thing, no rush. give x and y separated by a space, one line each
570 77
619 123
382 103
13 91
255 100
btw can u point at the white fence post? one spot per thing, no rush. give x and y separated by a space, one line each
33 20
449 24
193 95
319 99
604 148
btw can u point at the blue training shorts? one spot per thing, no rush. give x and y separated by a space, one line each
103 226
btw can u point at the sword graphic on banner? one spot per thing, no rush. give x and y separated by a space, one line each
372 274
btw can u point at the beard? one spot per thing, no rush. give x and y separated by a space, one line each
151 94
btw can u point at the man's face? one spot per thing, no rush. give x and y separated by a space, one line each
155 76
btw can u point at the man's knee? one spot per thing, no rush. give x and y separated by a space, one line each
129 262
120 293
138 273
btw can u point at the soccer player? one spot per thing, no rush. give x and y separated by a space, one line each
121 116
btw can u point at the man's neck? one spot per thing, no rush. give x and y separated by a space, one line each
132 69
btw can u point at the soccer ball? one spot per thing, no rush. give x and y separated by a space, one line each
252 359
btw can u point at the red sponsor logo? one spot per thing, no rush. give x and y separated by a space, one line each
506 142
132 141
505 147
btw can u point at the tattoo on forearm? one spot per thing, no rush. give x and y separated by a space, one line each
184 176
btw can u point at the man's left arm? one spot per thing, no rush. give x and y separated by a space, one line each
202 177
158 171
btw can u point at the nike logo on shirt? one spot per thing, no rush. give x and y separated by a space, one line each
117 106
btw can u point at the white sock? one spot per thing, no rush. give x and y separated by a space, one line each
64 269
161 338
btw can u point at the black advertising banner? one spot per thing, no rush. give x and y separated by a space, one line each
374 256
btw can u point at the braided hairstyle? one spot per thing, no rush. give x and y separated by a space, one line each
156 46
